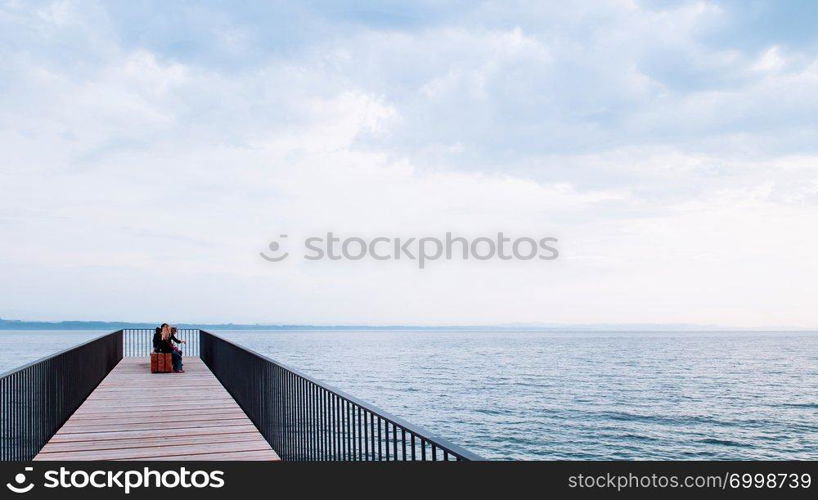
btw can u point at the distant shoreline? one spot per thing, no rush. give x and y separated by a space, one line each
118 325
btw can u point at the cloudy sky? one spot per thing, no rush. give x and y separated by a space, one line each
151 150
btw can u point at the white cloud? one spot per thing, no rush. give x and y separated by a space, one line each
137 183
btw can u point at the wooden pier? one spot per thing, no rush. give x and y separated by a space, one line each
99 401
136 415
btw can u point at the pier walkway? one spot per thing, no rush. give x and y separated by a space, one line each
136 415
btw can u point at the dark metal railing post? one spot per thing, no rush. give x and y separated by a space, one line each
304 419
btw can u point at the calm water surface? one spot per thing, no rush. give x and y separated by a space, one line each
18 347
562 395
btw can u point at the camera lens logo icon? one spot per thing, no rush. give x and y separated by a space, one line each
20 478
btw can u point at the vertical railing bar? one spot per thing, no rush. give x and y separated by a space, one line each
372 435
313 417
366 435
339 449
294 415
316 427
342 427
288 443
353 434
297 406
302 410
380 452
350 436
285 435
346 428
297 410
385 438
332 451
339 422
395 441
287 408
310 412
319 436
351 428
306 412
324 425
360 428
331 424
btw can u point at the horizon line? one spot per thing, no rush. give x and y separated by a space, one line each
8 324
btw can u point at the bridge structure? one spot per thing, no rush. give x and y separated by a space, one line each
99 401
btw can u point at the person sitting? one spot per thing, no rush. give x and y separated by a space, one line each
163 342
158 346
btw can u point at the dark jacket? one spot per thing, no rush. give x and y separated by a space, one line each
165 346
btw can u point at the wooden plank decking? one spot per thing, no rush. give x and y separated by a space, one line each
136 415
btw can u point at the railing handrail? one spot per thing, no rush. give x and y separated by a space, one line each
54 355
443 443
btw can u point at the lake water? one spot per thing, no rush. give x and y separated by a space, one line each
560 395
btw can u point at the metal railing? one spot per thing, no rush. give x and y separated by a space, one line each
306 420
138 342
36 399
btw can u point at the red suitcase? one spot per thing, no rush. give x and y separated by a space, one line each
161 362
